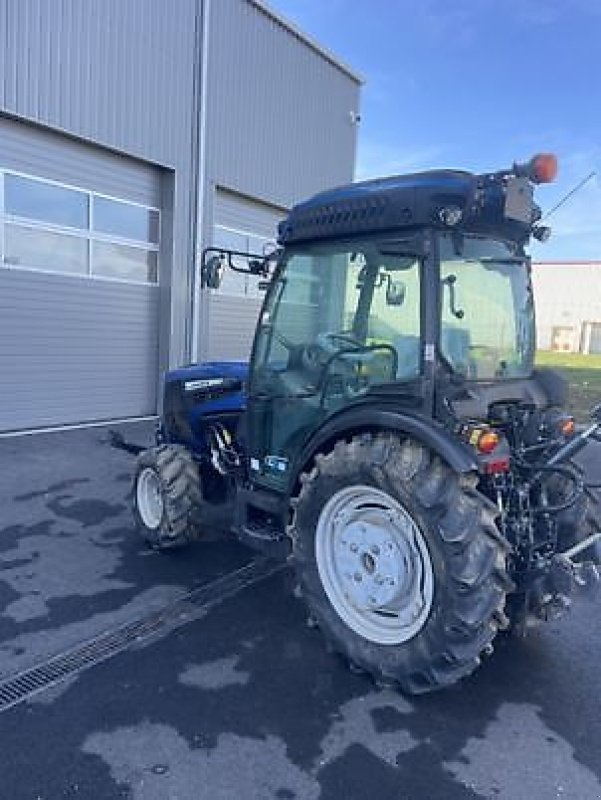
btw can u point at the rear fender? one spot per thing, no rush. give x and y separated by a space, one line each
458 456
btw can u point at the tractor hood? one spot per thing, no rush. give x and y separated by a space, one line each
194 393
211 388
212 375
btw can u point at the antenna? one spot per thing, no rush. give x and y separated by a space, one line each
567 196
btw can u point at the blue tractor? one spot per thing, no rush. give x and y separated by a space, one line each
391 435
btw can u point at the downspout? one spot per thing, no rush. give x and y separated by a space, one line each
201 179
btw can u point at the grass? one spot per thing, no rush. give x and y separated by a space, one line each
583 373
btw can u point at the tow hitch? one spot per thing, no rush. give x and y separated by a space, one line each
569 575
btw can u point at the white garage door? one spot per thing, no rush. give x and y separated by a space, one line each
79 265
244 225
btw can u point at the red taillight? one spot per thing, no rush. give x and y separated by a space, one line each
497 466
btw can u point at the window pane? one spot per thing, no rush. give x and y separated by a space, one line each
331 300
42 201
126 263
56 252
126 220
487 312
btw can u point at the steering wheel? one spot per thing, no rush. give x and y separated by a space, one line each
327 342
346 338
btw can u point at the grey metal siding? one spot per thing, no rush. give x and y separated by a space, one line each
46 154
233 321
125 74
121 74
244 214
75 350
115 72
279 128
279 115
232 318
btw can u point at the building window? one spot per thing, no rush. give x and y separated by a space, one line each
45 202
126 220
40 249
125 262
54 228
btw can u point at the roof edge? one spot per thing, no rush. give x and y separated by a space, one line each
292 28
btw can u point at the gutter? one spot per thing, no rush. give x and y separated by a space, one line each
201 179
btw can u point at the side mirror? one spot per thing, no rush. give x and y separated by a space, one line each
213 271
396 292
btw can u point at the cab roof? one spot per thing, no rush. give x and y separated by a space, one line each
410 201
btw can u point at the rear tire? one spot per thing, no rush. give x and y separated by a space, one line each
442 533
167 497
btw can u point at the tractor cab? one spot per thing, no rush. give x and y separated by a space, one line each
410 293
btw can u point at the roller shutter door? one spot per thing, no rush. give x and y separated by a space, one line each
240 224
594 337
79 297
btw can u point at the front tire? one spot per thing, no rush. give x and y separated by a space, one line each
400 561
166 497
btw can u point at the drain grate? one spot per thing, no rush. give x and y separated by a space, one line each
184 609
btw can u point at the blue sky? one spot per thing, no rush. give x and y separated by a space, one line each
476 84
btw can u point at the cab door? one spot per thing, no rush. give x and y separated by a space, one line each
339 318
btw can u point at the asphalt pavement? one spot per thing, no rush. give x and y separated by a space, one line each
235 696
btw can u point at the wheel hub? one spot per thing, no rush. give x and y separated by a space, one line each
149 498
374 564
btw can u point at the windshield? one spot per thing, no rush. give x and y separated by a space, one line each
487 322
339 318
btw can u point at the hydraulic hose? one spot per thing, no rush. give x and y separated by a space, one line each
572 475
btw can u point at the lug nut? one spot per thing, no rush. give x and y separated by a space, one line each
375 550
358 577
354 548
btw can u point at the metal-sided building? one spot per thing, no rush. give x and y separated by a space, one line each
132 135
568 306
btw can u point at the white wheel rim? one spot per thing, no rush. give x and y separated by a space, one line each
374 565
150 498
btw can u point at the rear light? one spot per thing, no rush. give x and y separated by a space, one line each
496 466
487 441
567 426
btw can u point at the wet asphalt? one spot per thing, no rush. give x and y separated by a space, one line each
243 700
